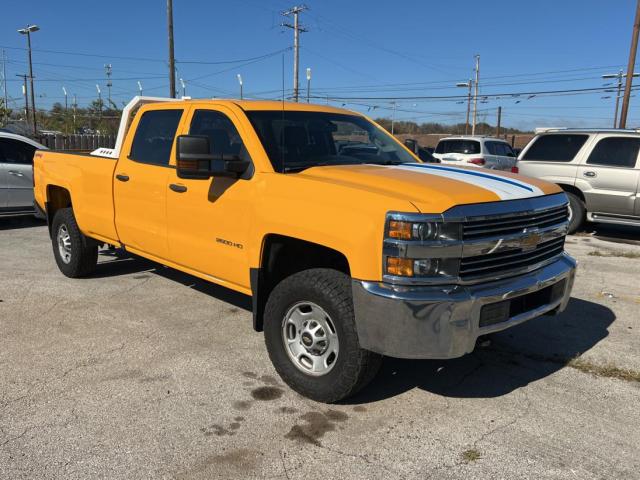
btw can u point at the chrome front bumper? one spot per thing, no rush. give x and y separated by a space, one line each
444 321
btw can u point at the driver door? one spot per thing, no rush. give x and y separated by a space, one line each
208 220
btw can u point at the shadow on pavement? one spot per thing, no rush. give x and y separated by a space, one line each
513 359
612 233
122 263
26 221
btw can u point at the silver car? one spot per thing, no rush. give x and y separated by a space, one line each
16 174
598 169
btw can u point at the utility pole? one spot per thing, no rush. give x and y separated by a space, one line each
107 69
27 31
632 61
172 60
499 121
297 29
475 96
467 85
619 76
308 84
4 87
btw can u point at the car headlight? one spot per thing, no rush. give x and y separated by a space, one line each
421 248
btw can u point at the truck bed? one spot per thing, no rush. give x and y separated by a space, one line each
88 182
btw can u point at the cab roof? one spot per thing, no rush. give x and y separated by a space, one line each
254 105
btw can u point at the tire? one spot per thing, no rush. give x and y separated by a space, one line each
577 212
79 255
351 368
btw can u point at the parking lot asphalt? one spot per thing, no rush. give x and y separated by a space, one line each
144 372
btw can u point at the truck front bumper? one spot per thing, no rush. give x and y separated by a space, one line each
445 321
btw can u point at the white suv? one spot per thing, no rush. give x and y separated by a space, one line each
479 151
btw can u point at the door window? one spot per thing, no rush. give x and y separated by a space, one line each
16 152
555 148
154 136
615 152
224 139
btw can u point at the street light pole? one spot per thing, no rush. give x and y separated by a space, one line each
308 84
66 110
184 87
467 85
240 82
27 31
139 88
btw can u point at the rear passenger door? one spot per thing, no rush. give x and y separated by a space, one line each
609 176
16 160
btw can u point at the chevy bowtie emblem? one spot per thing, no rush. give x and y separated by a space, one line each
531 241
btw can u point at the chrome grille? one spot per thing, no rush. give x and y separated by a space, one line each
513 224
512 260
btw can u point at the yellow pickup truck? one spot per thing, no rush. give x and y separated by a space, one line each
350 247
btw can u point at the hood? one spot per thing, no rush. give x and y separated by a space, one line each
433 188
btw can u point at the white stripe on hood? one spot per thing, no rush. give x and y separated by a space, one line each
505 188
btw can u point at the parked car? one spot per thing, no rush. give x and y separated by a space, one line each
348 253
423 153
598 169
478 151
16 174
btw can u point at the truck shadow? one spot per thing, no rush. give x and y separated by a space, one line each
501 363
26 221
121 263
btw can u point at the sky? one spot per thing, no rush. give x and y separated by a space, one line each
380 58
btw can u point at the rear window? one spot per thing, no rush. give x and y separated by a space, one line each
555 148
499 148
458 146
615 152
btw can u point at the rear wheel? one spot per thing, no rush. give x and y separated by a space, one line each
311 336
75 253
577 212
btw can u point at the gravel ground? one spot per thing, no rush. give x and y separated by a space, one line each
144 372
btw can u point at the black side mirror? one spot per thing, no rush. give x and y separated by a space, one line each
193 160
411 144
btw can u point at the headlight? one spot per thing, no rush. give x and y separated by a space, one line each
421 248
403 230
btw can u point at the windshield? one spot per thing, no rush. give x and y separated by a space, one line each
298 140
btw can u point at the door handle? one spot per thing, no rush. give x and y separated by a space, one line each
176 187
122 178
589 173
17 174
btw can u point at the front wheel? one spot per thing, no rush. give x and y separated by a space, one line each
311 336
75 253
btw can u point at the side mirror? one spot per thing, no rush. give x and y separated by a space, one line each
194 160
411 144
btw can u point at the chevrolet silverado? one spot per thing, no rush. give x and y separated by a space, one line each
350 247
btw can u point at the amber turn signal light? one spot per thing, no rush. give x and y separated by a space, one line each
400 230
401 267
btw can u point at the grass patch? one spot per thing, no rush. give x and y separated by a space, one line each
609 371
471 455
598 253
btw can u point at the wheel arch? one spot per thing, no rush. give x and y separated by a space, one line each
57 197
282 256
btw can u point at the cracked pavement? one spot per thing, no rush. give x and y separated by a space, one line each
144 372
